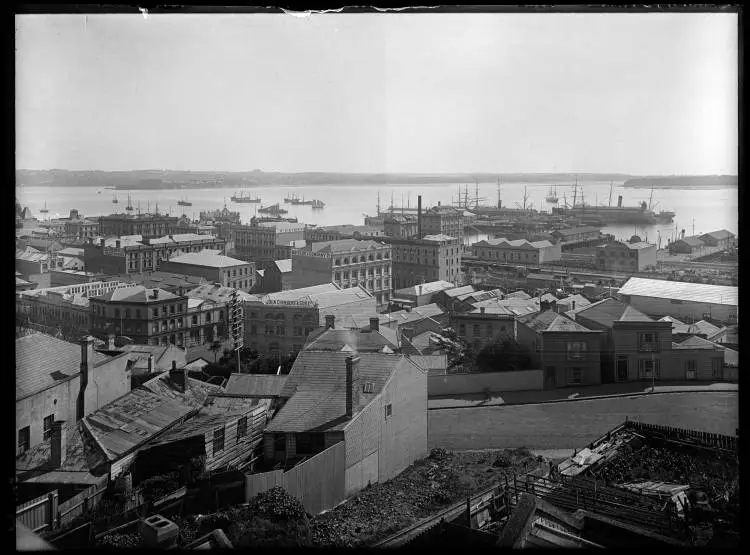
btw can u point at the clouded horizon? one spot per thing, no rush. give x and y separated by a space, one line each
642 94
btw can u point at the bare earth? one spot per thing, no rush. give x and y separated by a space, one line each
572 425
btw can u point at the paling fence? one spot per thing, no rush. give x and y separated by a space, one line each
318 482
47 513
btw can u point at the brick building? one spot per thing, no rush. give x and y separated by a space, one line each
348 263
432 258
483 326
145 225
400 225
338 232
215 268
619 256
722 239
267 241
518 251
443 220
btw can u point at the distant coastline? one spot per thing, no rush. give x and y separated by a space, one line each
683 182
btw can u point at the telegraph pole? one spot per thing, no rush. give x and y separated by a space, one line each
235 320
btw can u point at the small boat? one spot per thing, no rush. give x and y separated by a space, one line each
114 198
184 202
243 198
273 209
552 196
98 192
318 204
292 199
44 210
129 207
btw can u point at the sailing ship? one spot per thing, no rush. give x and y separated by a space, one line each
129 207
274 209
184 202
552 196
244 198
292 199
44 210
318 204
114 198
296 201
640 214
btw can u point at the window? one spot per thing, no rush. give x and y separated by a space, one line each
127 313
138 313
648 369
280 330
117 313
576 350
648 342
716 365
208 316
218 440
690 365
368 387
156 313
241 428
24 436
489 330
388 410
574 376
475 330
48 420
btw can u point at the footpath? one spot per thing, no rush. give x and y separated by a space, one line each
571 394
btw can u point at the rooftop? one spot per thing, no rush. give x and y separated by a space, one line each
608 311
43 361
351 341
208 260
639 245
681 291
695 342
458 291
438 237
284 266
516 243
425 288
721 234
255 385
693 241
137 294
346 245
301 293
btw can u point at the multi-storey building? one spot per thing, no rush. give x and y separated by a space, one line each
443 220
483 326
185 225
215 268
400 225
133 254
619 256
145 225
80 228
267 241
432 258
348 263
279 323
224 215
518 251
338 232
209 311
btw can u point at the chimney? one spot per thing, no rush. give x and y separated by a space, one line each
330 321
59 446
111 342
420 290
117 244
573 304
87 368
374 323
619 201
419 216
352 384
481 310
151 363
101 242
156 294
177 377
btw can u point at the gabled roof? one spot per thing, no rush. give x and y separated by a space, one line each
348 340
516 243
458 291
563 323
603 312
216 293
425 288
639 245
539 321
518 295
401 317
207 260
631 314
316 389
695 342
194 396
580 300
199 425
692 241
718 235
255 385
82 454
301 293
43 361
681 290
342 296
284 266
438 237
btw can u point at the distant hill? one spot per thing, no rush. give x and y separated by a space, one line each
683 182
168 179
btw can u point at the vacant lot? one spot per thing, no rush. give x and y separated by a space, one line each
573 425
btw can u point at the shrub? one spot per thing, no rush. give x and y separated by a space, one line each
276 504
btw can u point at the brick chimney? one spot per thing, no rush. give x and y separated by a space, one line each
177 377
111 342
101 242
155 294
59 446
330 321
374 323
481 310
352 385
87 369
420 290
573 304
151 363
117 244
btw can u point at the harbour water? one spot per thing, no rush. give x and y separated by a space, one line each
698 211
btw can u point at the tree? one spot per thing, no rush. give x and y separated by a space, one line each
215 348
504 355
458 351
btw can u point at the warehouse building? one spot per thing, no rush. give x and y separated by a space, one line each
682 300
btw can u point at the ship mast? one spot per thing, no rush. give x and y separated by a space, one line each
499 190
610 192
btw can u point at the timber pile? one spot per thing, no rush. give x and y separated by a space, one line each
426 487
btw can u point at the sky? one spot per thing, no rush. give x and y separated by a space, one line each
642 94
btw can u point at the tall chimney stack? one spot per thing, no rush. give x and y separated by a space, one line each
419 216
111 342
87 369
59 446
177 377
352 385
151 363
374 323
330 321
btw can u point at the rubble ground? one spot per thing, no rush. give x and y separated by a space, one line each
426 487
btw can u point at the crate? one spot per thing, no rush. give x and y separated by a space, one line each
158 531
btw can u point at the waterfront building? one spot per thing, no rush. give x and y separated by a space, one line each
278 324
432 258
145 225
519 251
347 263
721 239
443 220
620 256
215 268
686 245
400 225
135 254
267 241
338 232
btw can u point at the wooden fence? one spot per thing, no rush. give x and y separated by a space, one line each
705 439
79 505
318 482
40 513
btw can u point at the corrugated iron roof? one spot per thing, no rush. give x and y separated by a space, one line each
259 385
681 291
458 291
346 245
414 315
284 266
718 235
208 260
82 454
425 288
353 340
